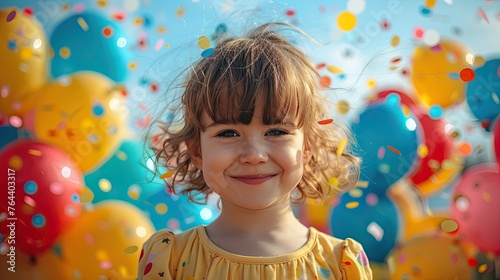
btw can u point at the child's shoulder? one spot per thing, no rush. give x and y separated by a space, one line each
167 237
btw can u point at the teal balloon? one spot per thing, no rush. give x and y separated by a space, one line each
483 93
387 142
9 134
90 42
375 225
127 174
177 213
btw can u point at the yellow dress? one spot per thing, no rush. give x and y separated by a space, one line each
191 255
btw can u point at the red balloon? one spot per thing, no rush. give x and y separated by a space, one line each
496 138
40 187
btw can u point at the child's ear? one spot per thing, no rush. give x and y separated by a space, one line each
194 154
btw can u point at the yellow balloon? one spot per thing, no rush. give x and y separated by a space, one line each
45 266
23 52
105 242
429 257
84 114
415 222
380 271
436 73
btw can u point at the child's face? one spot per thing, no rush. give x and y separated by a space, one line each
252 166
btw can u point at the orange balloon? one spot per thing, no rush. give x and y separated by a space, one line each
436 73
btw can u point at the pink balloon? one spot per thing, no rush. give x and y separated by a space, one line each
39 194
476 205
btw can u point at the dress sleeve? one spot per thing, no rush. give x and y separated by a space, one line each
354 264
156 255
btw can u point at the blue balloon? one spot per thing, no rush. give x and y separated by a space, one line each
387 142
483 93
90 42
10 134
177 213
124 177
375 226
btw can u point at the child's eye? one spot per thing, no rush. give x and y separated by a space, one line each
276 132
227 134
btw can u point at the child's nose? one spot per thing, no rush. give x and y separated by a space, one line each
253 152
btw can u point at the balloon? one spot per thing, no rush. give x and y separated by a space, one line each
177 213
105 243
440 162
387 141
11 134
436 70
82 114
476 202
133 186
40 198
315 214
482 92
429 257
96 44
496 139
414 221
47 265
369 219
23 49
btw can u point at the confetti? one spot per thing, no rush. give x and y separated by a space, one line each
325 81
326 121
203 42
341 147
467 74
395 41
495 97
11 16
346 21
465 148
130 249
207 52
482 268
376 231
362 184
449 226
483 15
333 181
83 24
352 205
168 174
104 185
108 32
334 69
343 107
394 150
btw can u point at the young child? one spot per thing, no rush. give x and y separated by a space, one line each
252 132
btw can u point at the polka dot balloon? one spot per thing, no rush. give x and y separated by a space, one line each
42 187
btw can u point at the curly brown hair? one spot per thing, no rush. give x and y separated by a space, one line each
260 66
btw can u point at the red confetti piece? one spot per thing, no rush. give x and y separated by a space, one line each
325 81
394 150
118 16
320 66
107 31
290 13
467 74
348 263
327 121
472 262
396 60
28 11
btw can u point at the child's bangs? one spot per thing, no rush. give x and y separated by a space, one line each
242 81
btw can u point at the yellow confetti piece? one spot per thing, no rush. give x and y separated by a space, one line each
333 181
352 205
430 3
104 185
343 107
121 155
371 83
449 226
161 208
346 21
83 24
87 195
180 12
203 42
16 163
36 153
406 111
362 184
422 151
168 174
161 29
334 69
356 193
482 268
64 52
130 249
341 147
102 3
486 197
495 97
395 41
